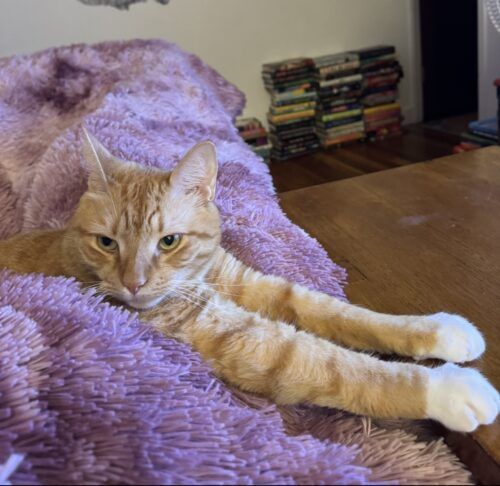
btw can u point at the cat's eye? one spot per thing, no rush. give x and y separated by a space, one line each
169 242
106 244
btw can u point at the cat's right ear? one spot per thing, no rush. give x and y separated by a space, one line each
196 173
100 163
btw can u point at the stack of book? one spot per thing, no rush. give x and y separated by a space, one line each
381 74
481 133
332 99
339 116
255 135
293 105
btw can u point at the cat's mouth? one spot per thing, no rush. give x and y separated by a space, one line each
139 302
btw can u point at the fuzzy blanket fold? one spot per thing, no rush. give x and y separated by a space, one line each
88 393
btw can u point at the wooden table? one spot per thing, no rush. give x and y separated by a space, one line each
421 239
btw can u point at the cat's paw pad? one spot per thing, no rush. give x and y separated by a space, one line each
461 398
457 339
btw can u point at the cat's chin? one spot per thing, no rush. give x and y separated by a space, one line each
143 302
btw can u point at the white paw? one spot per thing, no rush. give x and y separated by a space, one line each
461 398
457 339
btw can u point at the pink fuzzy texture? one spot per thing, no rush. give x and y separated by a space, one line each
87 393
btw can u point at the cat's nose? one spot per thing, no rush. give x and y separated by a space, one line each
134 286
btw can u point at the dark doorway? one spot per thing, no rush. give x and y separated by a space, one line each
448 31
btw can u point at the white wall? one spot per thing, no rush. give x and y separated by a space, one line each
488 63
234 36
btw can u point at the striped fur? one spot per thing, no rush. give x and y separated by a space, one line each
260 332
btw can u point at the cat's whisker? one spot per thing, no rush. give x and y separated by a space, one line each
190 288
99 287
222 282
204 286
189 295
92 286
192 296
181 295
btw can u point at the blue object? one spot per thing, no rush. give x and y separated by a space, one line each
486 128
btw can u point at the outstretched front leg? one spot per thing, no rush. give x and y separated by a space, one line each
444 336
292 366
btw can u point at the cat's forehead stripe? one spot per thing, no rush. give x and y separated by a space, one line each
142 199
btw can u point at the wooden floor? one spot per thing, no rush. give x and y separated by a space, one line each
418 143
421 239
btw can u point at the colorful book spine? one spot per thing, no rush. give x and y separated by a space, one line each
298 95
291 116
340 81
278 110
340 115
345 66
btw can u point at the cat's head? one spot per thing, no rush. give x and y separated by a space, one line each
142 233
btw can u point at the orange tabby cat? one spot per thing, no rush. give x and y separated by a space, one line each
150 239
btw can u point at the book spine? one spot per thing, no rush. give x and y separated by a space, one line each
341 115
291 116
279 110
339 67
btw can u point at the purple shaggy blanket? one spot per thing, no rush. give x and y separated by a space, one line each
87 393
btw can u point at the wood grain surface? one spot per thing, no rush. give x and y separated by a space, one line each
418 239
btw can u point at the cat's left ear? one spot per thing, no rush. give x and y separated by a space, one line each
100 163
196 173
